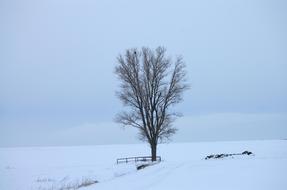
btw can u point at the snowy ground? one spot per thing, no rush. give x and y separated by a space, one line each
183 167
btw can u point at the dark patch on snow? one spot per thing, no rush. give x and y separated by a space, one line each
247 152
142 166
218 156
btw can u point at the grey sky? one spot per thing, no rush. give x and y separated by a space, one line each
57 57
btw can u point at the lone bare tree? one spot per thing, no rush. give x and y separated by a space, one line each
151 83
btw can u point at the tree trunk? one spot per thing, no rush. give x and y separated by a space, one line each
153 152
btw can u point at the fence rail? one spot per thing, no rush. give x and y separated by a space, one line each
137 159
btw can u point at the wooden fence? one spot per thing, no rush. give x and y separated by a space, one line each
137 159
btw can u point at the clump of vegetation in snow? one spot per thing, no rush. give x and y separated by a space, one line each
72 185
217 156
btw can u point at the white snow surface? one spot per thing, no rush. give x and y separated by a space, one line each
183 167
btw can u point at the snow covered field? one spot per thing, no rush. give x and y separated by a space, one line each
183 167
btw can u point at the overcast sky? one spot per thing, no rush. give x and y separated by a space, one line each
57 59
